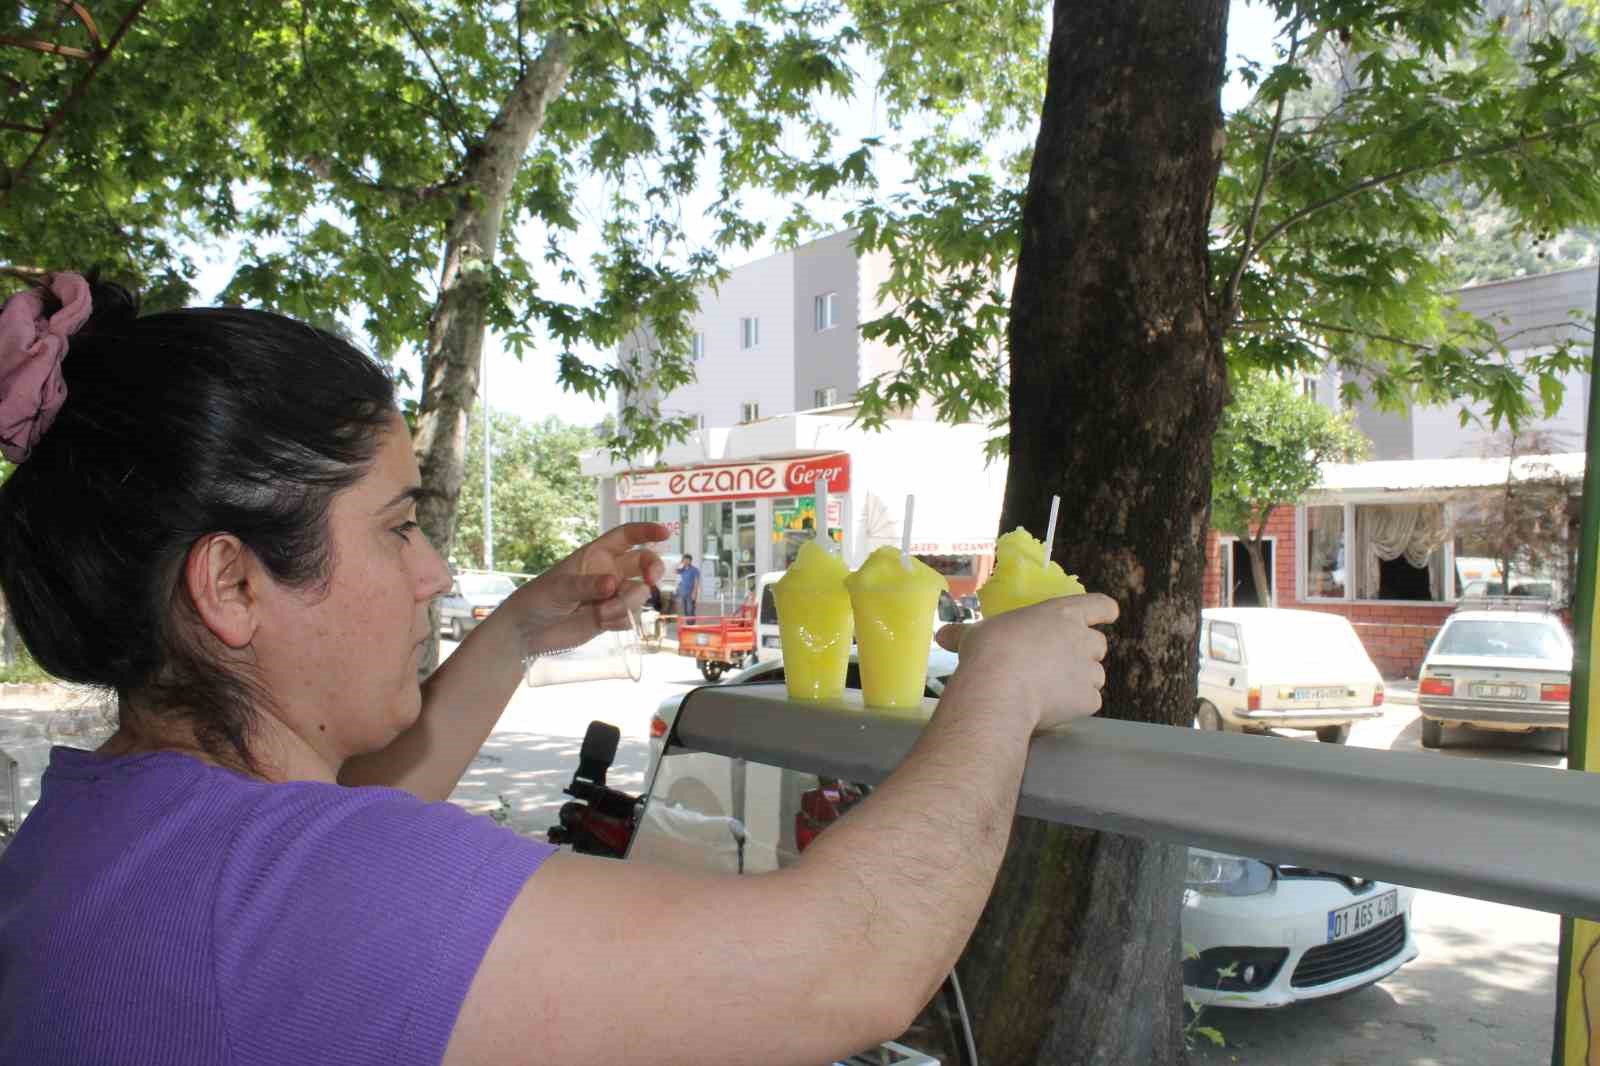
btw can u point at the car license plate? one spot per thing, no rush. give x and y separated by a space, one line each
1499 692
702 639
1359 917
1333 692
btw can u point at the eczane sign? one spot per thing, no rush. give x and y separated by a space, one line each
736 481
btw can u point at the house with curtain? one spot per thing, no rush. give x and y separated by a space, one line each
1395 543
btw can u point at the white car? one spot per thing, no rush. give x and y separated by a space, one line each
1270 668
1257 934
1506 668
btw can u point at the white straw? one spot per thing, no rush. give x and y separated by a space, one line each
819 531
905 531
1050 530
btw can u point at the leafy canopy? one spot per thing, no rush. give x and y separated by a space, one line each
544 507
1338 205
331 141
1266 453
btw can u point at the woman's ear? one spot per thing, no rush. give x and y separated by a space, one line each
218 574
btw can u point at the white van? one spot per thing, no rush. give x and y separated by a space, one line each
769 645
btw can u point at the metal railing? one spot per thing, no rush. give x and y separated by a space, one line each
1521 835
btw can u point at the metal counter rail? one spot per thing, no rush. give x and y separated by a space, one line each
1523 835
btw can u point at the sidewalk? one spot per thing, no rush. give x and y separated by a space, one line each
1402 691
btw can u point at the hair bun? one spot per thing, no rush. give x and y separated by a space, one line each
115 308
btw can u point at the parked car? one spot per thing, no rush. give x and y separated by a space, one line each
471 599
1261 934
1498 665
1267 667
1257 934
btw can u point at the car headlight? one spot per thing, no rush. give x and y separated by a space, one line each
1217 874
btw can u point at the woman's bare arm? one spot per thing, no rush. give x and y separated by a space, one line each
625 963
590 591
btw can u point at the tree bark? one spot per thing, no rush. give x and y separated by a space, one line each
1258 563
10 639
1117 387
460 317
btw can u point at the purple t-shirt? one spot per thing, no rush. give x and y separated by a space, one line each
156 909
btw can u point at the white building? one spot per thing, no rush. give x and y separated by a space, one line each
779 358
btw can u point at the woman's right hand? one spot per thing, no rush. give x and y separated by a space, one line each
1045 659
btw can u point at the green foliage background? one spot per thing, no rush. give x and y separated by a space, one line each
544 506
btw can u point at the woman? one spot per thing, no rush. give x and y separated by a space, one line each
214 517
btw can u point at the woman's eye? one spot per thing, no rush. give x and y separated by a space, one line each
405 528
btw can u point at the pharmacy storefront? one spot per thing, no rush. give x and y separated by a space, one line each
752 498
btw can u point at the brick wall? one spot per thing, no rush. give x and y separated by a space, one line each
1396 635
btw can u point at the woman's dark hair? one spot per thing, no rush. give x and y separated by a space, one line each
178 425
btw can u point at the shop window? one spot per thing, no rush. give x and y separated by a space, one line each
1398 551
1325 570
1535 531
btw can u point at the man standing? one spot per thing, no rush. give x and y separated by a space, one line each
688 585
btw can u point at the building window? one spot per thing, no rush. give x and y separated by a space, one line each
698 346
1325 572
825 311
749 333
1399 551
825 397
1376 552
749 412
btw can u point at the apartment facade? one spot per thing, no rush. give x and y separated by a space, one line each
779 358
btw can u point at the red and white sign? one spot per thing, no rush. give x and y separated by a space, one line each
738 481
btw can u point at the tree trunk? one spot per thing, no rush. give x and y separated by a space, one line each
1117 387
10 639
1258 562
455 333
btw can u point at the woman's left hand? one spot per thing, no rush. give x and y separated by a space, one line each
590 591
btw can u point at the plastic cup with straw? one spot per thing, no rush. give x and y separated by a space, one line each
815 627
895 599
1023 572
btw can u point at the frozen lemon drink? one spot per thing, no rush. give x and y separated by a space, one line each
1021 578
814 624
894 609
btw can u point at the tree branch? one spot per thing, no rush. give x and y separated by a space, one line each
1250 253
1263 325
1230 299
442 89
57 116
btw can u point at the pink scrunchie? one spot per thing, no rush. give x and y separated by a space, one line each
31 348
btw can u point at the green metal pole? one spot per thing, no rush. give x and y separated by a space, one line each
1577 1037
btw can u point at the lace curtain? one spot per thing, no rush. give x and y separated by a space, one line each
1385 533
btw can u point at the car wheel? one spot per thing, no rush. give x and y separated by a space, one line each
694 796
1208 718
1334 734
1432 733
457 632
711 671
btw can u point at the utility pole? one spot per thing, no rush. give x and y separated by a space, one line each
488 464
